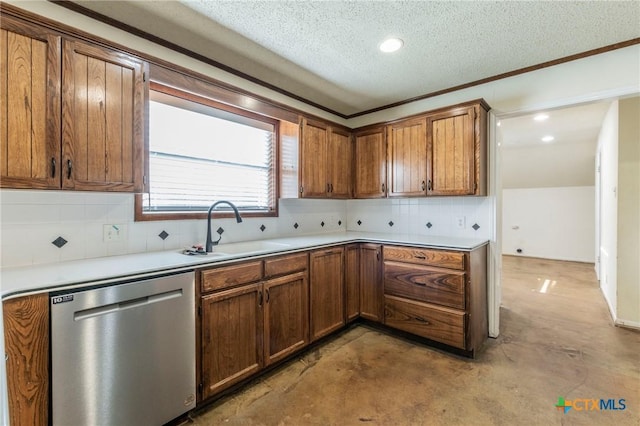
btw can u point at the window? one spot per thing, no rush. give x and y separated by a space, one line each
201 152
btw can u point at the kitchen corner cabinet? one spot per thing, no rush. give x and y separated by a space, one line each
407 158
371 282
437 294
352 281
457 151
253 314
326 291
325 161
72 112
370 163
26 343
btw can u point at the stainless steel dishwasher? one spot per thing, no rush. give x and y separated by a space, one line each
124 354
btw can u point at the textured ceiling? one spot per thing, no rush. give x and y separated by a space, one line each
326 51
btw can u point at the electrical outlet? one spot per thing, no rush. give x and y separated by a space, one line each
460 222
112 233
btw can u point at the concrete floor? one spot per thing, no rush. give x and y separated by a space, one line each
555 343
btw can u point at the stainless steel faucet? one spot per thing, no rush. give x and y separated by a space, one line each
210 243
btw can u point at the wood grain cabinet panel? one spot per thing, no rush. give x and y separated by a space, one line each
286 313
103 122
421 256
230 276
371 282
441 286
26 342
433 322
370 163
325 161
232 322
352 281
456 147
437 294
407 158
326 291
29 106
72 112
286 264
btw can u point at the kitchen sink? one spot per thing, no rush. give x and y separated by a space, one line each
246 247
249 247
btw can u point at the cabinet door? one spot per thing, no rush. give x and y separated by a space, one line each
371 282
451 137
339 160
29 106
352 281
286 316
102 119
370 164
313 159
26 343
327 292
231 337
407 158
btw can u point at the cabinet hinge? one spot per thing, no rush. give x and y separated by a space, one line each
475 186
144 76
200 388
144 180
301 189
199 311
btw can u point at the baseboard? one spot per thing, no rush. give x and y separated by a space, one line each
634 325
612 311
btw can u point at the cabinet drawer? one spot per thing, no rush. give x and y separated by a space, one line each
230 276
441 258
286 264
441 324
425 284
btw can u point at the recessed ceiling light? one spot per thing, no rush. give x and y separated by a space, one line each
548 139
391 45
540 117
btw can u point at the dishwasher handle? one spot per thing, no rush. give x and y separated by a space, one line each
126 305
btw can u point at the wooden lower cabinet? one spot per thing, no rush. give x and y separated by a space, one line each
430 321
26 343
352 281
286 309
371 282
260 321
437 294
231 337
326 283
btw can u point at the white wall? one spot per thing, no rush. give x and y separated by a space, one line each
628 273
608 151
551 223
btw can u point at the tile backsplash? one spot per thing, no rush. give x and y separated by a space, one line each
30 222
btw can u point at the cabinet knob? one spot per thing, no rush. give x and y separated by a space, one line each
429 185
424 186
383 187
69 168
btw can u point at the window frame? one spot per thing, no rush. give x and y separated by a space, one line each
140 215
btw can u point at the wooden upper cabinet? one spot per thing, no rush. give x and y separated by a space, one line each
325 161
339 158
71 113
103 118
370 163
29 106
407 158
457 150
313 155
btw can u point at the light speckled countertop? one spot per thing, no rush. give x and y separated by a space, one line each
79 273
